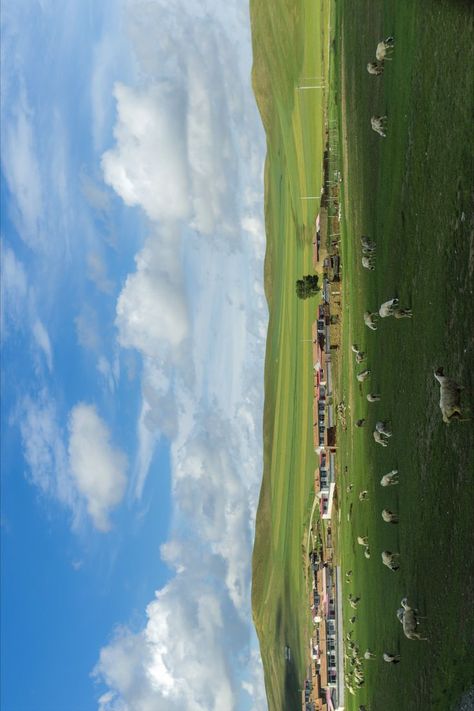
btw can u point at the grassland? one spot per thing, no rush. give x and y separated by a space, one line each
412 192
290 49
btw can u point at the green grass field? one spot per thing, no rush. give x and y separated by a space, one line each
412 193
290 49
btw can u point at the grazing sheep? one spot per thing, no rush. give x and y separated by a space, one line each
384 48
364 495
360 423
375 68
379 439
368 245
349 488
403 313
363 540
368 654
390 479
368 262
370 320
389 517
388 308
367 552
363 375
360 355
450 396
353 601
409 618
391 658
390 560
373 397
379 125
383 428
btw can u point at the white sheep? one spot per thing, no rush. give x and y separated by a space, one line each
362 540
368 654
370 320
388 308
364 495
390 560
367 552
409 618
384 48
379 439
363 375
391 658
360 355
379 125
373 397
389 517
383 428
375 68
450 397
390 479
368 262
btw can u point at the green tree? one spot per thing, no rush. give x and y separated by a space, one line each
307 286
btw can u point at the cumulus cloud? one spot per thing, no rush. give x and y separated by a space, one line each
189 151
98 468
151 309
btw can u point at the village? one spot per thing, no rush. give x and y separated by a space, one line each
323 688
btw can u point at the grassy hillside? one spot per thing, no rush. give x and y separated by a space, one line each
412 192
288 51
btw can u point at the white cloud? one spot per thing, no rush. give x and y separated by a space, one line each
189 151
42 339
98 468
97 272
14 289
21 168
151 309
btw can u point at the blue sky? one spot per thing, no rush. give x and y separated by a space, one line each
133 335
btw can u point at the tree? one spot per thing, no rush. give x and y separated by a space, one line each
307 286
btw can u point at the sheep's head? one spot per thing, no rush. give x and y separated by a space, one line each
440 371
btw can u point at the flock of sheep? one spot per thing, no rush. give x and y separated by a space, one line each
382 54
450 405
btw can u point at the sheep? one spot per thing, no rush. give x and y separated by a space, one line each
363 540
379 125
384 48
367 552
389 517
375 68
450 396
390 479
368 245
360 355
368 654
353 601
370 320
352 619
368 262
391 658
360 423
379 439
403 313
364 495
383 428
390 560
409 618
388 308
363 375
373 397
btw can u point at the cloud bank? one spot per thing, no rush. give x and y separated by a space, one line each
189 151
